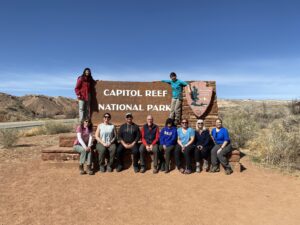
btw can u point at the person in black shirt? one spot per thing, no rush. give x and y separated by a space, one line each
129 135
203 145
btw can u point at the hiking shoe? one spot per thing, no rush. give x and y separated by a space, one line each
119 168
143 169
215 169
163 167
102 169
89 170
109 169
187 172
198 169
181 170
136 169
81 169
228 171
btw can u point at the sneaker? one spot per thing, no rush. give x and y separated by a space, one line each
228 171
81 169
89 170
198 170
143 169
215 169
119 168
181 170
109 169
187 172
136 169
102 169
163 167
155 170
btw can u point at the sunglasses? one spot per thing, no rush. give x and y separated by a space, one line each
107 117
199 123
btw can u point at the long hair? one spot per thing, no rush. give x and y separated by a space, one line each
85 69
197 128
90 125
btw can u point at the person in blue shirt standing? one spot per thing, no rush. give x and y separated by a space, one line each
168 140
177 89
186 136
221 149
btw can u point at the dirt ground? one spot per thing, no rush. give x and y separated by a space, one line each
37 192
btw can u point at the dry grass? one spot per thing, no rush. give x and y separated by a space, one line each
271 132
49 128
8 137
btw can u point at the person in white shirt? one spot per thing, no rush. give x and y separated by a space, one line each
106 135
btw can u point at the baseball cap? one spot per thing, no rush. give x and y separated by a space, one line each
128 115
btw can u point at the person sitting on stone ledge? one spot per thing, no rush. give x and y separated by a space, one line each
168 140
221 149
83 145
186 136
150 137
106 135
129 135
203 145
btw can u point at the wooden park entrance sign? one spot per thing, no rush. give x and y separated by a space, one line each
152 98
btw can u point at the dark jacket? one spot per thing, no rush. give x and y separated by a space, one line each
129 133
150 135
83 87
204 139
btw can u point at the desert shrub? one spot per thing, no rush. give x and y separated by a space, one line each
9 137
56 128
241 126
294 107
34 131
279 145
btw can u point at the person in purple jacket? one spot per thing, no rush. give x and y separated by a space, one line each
221 149
168 140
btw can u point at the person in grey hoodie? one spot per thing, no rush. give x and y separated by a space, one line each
129 136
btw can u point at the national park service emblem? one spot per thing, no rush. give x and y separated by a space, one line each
200 98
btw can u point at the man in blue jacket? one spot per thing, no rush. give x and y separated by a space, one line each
177 89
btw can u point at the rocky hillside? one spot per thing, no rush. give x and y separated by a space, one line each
30 107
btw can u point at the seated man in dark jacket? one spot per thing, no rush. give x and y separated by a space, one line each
129 135
150 137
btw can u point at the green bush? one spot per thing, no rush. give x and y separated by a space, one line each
9 137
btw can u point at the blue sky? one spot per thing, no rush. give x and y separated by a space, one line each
251 48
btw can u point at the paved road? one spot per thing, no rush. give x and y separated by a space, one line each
28 124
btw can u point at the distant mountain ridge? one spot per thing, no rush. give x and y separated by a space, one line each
29 107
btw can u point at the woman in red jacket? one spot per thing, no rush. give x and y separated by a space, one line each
83 91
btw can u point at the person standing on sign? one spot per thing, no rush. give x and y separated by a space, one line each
177 89
150 137
83 92
129 135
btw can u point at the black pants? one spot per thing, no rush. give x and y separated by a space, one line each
221 156
134 152
187 156
204 153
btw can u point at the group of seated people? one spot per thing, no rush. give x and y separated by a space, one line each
184 142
